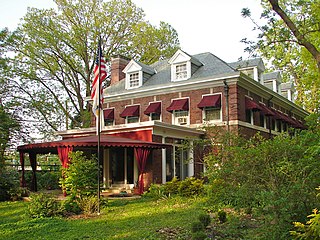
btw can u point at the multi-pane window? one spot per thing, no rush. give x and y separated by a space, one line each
212 114
155 116
132 119
181 117
181 71
134 80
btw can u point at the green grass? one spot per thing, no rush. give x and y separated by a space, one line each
121 219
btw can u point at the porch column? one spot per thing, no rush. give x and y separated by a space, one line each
33 163
22 179
164 162
191 160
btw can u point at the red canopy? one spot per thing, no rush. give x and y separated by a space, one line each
266 111
154 107
89 141
252 105
108 113
131 111
179 104
210 101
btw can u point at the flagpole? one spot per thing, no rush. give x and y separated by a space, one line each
99 120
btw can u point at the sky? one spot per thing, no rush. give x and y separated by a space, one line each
214 26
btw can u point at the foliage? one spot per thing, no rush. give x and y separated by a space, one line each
80 178
222 216
9 184
200 235
48 180
309 231
289 39
277 177
205 219
43 205
55 51
88 204
197 227
188 187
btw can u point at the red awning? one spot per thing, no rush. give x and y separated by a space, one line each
108 113
265 110
89 141
252 105
154 107
131 111
210 101
179 104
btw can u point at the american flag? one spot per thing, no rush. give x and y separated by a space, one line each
99 69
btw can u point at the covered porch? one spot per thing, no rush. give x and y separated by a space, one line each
123 160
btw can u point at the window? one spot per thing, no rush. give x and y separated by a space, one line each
134 80
249 116
155 116
278 122
132 119
212 114
108 122
181 71
248 72
263 122
180 117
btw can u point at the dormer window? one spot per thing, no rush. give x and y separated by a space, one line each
183 66
134 80
136 74
181 71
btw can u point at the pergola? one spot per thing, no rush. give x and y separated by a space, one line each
63 147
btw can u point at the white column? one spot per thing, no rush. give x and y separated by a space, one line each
164 163
174 161
191 161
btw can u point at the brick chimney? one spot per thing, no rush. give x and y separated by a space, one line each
118 63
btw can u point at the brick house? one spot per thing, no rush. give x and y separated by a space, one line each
168 102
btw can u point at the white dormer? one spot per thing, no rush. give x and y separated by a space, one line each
136 73
273 81
182 66
133 73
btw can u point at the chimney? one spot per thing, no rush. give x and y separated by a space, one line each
118 63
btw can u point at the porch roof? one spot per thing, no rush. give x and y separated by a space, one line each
106 140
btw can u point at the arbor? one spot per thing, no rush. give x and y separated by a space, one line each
290 40
55 52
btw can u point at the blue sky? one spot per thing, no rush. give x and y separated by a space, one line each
203 25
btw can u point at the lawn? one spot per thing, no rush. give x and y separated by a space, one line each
121 219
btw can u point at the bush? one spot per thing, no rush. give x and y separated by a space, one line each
222 216
71 207
171 187
88 204
311 230
48 180
201 235
191 187
205 219
197 227
155 191
44 205
9 185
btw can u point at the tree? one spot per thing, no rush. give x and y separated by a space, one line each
290 40
55 52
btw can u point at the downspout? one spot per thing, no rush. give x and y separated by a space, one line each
226 94
269 118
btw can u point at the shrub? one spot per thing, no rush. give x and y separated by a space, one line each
88 204
191 187
9 184
44 205
71 207
171 187
311 230
48 180
155 191
197 227
222 216
205 219
201 235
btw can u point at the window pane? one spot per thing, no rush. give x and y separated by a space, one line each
181 71
108 122
155 116
132 119
134 80
212 114
181 117
248 116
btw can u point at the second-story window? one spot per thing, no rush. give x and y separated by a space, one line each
212 114
132 119
155 116
180 117
181 71
134 80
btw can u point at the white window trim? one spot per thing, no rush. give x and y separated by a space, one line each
126 119
160 120
173 71
204 112
128 79
173 113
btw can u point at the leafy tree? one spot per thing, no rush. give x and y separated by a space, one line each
290 40
55 52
